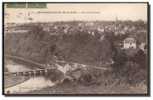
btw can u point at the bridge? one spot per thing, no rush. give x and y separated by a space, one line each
37 72
42 69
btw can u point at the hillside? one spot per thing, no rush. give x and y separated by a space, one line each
40 46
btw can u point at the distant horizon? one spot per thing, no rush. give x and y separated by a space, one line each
81 21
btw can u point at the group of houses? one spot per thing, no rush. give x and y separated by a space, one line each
131 43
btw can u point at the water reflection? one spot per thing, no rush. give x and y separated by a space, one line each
33 83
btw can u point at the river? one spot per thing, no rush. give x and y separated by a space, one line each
33 83
37 82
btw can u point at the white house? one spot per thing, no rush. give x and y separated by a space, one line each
129 43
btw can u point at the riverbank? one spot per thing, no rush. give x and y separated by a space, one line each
10 81
76 88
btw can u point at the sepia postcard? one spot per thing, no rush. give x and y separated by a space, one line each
79 49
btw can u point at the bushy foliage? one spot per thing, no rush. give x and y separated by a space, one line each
132 70
40 46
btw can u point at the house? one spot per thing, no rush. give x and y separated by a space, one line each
129 43
47 29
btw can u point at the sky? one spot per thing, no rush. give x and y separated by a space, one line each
87 12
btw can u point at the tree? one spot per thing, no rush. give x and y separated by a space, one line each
37 32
